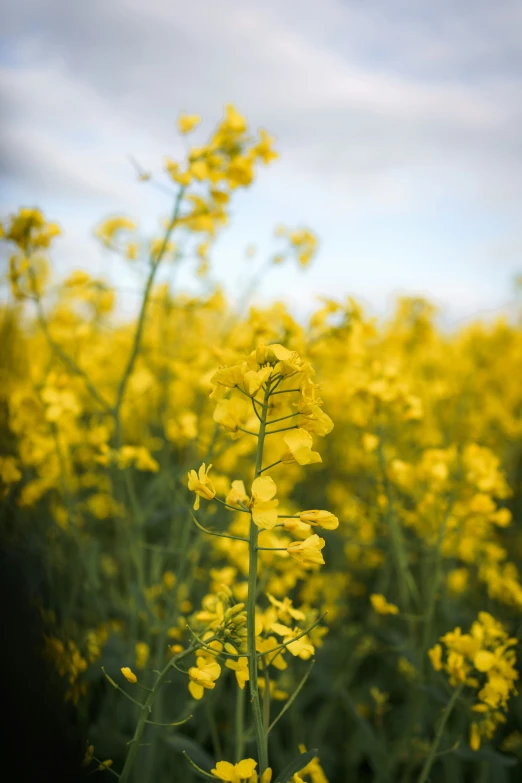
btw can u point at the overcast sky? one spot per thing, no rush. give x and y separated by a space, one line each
398 122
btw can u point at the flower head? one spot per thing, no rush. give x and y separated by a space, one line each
484 661
203 675
128 674
300 444
242 772
187 122
308 551
201 484
381 605
321 518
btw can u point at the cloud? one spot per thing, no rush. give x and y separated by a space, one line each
381 109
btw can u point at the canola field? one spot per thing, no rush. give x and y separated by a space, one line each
275 551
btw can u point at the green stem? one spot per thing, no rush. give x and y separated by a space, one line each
438 573
266 700
146 709
286 391
405 580
261 738
240 716
278 462
438 736
282 429
282 418
136 345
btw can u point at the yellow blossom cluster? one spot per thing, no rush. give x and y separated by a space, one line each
484 661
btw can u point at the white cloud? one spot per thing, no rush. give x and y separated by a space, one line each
383 111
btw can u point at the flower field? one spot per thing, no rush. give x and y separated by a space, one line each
274 550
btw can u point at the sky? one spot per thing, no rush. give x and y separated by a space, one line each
398 123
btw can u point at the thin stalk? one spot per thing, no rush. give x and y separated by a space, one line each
239 725
278 462
261 737
136 344
266 701
292 698
405 580
286 391
438 573
145 712
423 777
293 639
282 418
282 429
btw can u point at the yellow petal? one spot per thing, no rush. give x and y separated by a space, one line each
245 768
224 770
263 488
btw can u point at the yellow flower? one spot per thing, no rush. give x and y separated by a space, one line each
313 769
169 580
263 148
308 551
237 494
457 580
173 168
474 737
369 442
254 379
89 755
264 509
285 609
229 376
9 472
274 658
381 605
76 279
484 660
300 443
233 121
142 654
187 122
315 420
242 772
128 674
111 228
436 657
240 667
201 485
231 413
321 518
301 648
240 172
203 675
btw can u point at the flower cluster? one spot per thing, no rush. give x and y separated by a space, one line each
484 661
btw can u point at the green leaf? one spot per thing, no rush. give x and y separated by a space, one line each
296 765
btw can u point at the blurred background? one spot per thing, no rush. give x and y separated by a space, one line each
399 128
